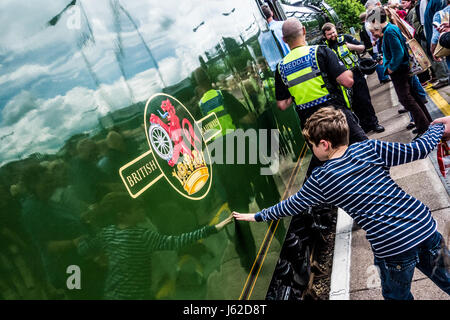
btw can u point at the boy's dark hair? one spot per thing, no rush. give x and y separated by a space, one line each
266 11
328 124
327 27
116 204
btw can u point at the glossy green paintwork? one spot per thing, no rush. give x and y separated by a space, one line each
77 71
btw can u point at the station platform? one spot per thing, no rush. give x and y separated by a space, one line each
354 276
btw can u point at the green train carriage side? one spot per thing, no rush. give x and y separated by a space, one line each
114 161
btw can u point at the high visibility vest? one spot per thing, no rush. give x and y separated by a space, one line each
212 101
301 74
349 59
269 87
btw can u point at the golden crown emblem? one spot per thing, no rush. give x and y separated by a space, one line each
192 172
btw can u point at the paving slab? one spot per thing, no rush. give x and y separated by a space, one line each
365 281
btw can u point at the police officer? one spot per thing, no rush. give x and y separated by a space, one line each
312 77
212 102
231 115
344 46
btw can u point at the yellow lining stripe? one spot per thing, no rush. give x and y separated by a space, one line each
293 176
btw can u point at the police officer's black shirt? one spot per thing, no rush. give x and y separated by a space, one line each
329 65
347 38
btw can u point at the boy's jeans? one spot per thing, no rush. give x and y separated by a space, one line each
396 272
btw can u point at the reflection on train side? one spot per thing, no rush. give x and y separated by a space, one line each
311 19
75 81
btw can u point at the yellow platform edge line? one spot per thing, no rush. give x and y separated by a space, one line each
438 100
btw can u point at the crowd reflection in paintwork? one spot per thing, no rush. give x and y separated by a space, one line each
49 207
55 209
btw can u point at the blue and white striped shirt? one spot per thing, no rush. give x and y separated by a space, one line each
360 184
129 257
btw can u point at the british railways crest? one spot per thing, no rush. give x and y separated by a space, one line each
177 150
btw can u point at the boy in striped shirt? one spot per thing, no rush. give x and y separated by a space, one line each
400 228
128 247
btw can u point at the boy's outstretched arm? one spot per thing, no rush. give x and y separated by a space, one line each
395 153
156 241
309 195
446 122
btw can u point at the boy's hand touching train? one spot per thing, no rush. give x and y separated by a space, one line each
223 223
244 216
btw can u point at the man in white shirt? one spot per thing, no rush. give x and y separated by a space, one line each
275 26
422 7
427 9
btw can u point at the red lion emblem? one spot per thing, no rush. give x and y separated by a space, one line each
174 131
